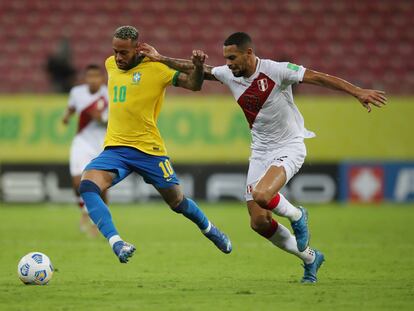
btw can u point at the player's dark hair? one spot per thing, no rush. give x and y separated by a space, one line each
93 67
126 32
240 39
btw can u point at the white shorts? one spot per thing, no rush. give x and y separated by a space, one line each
81 153
291 157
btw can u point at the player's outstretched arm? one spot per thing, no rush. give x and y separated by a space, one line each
366 97
182 65
194 80
67 115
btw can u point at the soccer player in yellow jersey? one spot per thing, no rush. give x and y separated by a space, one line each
133 143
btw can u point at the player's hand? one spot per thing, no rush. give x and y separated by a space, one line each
149 51
371 97
65 119
198 58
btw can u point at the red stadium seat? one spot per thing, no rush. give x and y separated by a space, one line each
333 36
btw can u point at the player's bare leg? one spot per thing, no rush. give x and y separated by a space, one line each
93 183
84 220
262 222
266 195
175 198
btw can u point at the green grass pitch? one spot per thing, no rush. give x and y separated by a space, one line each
369 251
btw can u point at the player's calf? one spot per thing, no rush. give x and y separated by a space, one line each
263 225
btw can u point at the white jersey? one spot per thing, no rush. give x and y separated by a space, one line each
267 102
89 130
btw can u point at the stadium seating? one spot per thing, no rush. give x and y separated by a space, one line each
368 42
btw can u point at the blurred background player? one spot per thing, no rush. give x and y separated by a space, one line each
263 90
133 142
89 101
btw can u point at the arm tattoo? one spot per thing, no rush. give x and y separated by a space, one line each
182 65
186 66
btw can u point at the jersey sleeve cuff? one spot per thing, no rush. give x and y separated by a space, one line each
213 72
301 73
175 78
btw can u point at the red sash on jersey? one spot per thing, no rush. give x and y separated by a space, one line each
85 117
254 97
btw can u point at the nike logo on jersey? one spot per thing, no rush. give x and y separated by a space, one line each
281 158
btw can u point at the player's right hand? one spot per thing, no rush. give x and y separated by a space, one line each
149 51
198 58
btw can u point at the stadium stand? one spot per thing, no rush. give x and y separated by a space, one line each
367 42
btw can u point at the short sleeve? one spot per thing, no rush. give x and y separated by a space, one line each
290 73
105 92
110 63
72 99
168 76
221 73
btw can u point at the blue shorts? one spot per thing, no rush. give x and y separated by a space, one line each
156 170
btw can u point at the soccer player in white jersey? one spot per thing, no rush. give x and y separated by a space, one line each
89 101
263 89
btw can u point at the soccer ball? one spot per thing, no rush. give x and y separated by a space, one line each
35 269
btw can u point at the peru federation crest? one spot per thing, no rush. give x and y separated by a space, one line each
262 84
136 77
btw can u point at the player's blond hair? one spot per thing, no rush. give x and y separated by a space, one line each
126 32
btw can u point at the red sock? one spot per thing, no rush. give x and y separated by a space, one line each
81 204
273 202
271 231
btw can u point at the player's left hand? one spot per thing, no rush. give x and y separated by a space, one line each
198 58
371 97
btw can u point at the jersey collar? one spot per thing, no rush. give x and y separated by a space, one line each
258 61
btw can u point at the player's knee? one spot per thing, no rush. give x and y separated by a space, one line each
103 179
87 185
260 224
261 197
175 202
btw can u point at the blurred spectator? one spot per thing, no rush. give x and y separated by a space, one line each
61 71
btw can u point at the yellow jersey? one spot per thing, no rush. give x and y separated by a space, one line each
135 100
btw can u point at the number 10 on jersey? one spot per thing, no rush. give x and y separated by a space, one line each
119 94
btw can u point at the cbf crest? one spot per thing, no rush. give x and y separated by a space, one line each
136 77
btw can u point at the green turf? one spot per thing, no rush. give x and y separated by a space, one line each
369 266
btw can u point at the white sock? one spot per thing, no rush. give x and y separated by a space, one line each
286 209
287 241
113 239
